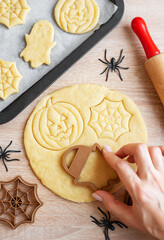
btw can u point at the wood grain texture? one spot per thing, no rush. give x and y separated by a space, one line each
155 69
61 219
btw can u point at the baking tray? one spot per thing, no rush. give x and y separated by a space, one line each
18 105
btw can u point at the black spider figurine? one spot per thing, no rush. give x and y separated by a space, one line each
113 65
107 224
5 155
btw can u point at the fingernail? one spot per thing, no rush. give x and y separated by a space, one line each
107 148
97 197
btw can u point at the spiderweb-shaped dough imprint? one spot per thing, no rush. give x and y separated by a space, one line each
18 202
13 12
9 79
110 119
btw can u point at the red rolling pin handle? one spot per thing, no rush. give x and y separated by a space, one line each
140 28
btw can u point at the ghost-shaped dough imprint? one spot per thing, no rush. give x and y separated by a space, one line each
39 44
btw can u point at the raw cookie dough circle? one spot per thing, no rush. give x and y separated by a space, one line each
13 12
77 16
80 115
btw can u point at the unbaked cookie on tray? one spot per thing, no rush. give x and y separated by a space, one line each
80 115
77 16
9 79
39 44
13 12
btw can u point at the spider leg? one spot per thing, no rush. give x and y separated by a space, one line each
102 212
12 151
3 160
107 63
120 60
111 227
106 56
11 160
97 222
94 219
7 146
103 220
107 75
109 216
120 224
123 224
103 61
120 55
125 68
7 155
119 74
106 233
104 71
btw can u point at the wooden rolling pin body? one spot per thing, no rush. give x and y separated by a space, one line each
155 69
155 63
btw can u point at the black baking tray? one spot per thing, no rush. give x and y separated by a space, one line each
34 91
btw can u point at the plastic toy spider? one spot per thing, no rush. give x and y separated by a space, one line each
107 223
113 65
4 155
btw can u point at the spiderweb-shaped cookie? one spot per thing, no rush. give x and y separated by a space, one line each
9 79
18 202
13 12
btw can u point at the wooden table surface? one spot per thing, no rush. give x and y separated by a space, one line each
61 219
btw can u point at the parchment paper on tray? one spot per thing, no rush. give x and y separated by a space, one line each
12 41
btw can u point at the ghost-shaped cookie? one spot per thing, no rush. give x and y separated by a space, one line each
39 44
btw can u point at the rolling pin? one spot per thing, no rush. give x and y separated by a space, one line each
155 63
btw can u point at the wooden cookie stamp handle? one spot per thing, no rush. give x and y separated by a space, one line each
155 63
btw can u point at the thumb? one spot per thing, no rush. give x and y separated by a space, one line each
114 206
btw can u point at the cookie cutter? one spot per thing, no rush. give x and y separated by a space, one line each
19 202
78 164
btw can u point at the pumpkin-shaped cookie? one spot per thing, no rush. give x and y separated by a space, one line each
77 16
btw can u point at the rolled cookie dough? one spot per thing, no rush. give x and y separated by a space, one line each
77 16
80 115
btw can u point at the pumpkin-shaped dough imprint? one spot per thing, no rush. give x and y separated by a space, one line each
61 124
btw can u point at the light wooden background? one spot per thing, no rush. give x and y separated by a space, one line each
61 219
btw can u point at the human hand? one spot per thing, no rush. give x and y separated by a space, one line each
146 187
